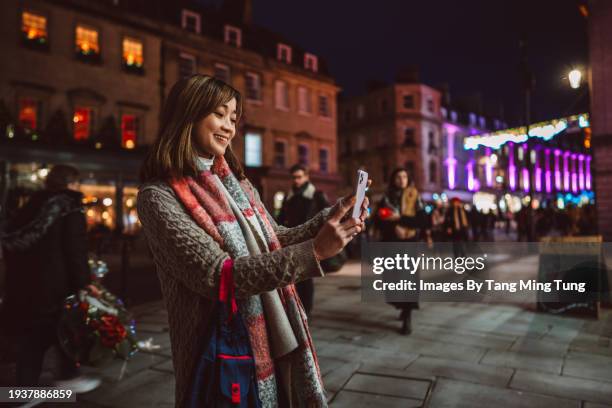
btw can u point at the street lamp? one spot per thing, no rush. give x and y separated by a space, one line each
575 76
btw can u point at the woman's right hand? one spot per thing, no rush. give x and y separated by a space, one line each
334 235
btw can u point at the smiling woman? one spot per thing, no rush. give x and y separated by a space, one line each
219 254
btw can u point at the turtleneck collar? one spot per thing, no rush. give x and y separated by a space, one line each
204 163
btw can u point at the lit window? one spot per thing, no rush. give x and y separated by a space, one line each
472 117
283 53
133 59
282 95
28 113
252 150
190 21
311 62
82 121
279 154
222 72
483 122
129 131
409 101
186 65
87 43
303 158
253 86
233 36
324 106
323 160
304 101
34 28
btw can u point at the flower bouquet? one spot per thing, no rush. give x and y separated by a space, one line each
94 330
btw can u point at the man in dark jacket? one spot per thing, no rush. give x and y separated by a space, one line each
302 203
45 245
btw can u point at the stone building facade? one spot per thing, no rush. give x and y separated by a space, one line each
99 72
600 78
392 126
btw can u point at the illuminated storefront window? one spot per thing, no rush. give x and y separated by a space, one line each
87 43
28 113
133 59
82 123
129 131
34 29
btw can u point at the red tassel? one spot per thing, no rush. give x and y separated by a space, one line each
235 393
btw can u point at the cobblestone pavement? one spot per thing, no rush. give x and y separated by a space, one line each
459 355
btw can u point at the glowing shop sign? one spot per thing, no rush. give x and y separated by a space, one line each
542 130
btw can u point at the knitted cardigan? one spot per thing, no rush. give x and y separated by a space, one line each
189 262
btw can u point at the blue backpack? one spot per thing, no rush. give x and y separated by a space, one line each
225 373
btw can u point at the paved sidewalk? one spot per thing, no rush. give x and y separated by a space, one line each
459 355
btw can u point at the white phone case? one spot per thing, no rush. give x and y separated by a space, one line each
362 183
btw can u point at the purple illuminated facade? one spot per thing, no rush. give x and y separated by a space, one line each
500 162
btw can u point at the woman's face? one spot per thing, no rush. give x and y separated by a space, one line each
401 180
215 132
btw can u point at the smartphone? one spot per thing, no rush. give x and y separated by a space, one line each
362 184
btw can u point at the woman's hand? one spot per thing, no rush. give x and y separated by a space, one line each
364 205
335 233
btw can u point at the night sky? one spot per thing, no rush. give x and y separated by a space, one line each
472 45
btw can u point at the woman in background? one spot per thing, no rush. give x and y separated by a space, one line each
400 218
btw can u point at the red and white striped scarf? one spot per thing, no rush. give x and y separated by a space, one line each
210 208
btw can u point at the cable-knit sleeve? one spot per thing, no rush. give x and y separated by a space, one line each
184 250
301 233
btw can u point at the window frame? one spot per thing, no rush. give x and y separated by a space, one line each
279 52
227 68
227 30
93 58
285 95
31 43
326 150
247 151
275 164
314 62
132 70
412 98
258 77
307 98
185 15
187 56
299 156
327 114
91 122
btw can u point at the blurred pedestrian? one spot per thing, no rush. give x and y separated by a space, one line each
302 203
400 218
45 245
457 226
437 222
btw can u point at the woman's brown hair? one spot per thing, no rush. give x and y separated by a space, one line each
173 153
